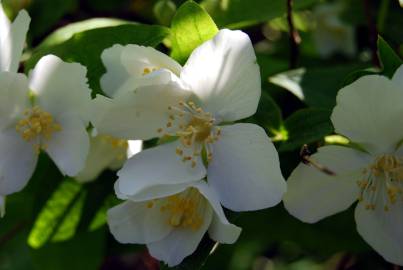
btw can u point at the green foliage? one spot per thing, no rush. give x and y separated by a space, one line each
60 215
238 13
390 60
86 47
306 126
191 26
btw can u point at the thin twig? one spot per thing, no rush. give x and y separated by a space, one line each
295 39
12 233
372 32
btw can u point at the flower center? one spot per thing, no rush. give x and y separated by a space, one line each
38 126
120 145
195 129
383 182
148 70
184 210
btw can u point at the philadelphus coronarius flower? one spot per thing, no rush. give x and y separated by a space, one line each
106 152
219 84
42 112
331 34
173 222
370 113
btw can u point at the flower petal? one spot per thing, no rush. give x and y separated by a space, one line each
180 243
101 155
398 78
382 230
134 222
12 40
59 95
138 114
369 111
13 98
18 162
220 229
157 166
313 195
245 169
126 66
137 58
69 147
224 75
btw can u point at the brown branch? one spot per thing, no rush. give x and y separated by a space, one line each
12 233
295 39
372 31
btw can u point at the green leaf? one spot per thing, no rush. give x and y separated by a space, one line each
306 126
268 115
241 13
316 87
389 58
191 26
46 14
53 214
86 47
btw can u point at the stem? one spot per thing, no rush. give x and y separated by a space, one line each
372 32
382 14
295 39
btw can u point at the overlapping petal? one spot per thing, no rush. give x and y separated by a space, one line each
18 161
156 166
245 169
313 194
13 98
370 112
69 147
12 39
61 87
224 75
383 230
137 114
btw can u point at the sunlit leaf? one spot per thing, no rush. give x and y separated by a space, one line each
191 26
53 213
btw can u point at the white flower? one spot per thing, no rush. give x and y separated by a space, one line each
48 111
220 83
172 221
107 152
331 34
370 113
12 39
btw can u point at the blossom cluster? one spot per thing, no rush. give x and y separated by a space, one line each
205 159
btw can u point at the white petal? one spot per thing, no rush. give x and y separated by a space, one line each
369 111
2 206
12 40
125 67
138 114
135 146
157 166
136 58
382 230
153 192
220 229
224 75
69 147
116 74
245 169
398 78
101 156
13 97
61 87
180 243
17 163
134 222
313 195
